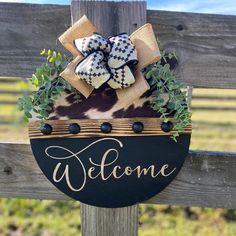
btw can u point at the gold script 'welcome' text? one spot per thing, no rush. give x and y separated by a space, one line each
97 170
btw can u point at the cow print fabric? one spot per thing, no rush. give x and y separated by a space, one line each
101 104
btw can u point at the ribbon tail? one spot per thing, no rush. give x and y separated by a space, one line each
148 52
146 45
69 75
80 29
128 96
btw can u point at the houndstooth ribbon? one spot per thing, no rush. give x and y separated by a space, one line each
98 60
106 60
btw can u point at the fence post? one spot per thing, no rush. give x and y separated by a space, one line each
110 17
109 222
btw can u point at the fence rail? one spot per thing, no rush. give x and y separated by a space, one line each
202 41
207 179
219 97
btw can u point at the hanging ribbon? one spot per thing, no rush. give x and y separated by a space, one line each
98 60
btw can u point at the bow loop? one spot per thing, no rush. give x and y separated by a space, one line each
96 42
121 78
122 52
92 69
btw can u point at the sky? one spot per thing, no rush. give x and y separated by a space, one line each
227 7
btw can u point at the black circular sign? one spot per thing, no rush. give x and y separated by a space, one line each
111 171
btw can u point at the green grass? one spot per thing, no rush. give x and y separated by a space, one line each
160 220
212 130
35 217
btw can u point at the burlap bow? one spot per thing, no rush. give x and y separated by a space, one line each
147 51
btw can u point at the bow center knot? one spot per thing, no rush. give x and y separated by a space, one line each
106 60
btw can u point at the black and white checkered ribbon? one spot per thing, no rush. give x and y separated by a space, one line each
106 60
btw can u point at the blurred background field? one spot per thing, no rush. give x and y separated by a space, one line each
214 128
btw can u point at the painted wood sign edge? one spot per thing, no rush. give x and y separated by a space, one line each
111 168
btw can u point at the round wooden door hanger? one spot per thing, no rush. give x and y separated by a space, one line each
109 163
127 155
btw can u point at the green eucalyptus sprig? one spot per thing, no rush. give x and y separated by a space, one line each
169 96
49 86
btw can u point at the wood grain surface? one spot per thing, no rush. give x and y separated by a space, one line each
91 128
205 43
207 179
110 18
109 222
25 30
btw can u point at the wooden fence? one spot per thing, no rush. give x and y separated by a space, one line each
206 48
10 91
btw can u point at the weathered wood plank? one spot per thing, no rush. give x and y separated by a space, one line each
18 168
7 122
13 92
119 17
216 108
8 102
219 98
204 43
11 80
207 179
26 29
125 16
110 222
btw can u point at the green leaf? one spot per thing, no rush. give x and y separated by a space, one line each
149 74
20 107
25 119
164 83
171 105
49 52
57 62
52 59
43 52
20 100
35 80
48 85
28 100
44 114
28 114
27 108
59 56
